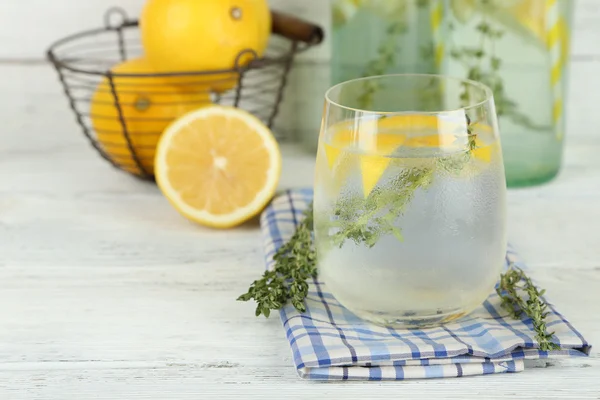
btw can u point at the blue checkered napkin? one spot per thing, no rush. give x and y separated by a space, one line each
328 342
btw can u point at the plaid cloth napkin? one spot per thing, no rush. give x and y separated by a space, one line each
328 342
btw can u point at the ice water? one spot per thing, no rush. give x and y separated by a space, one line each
447 253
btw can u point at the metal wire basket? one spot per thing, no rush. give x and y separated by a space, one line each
85 61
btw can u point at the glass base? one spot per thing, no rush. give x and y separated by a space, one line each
425 319
521 179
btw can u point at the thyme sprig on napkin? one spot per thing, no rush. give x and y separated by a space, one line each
295 264
534 306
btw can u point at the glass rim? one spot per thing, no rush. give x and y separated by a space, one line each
489 95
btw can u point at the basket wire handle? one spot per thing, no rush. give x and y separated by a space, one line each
115 19
112 23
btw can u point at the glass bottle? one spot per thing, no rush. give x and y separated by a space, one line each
376 37
520 48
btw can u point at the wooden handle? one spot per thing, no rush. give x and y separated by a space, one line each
296 29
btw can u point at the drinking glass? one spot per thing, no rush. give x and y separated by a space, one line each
410 198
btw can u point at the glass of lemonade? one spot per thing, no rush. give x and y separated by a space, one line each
410 198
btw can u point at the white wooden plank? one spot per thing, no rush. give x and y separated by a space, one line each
586 29
184 383
175 330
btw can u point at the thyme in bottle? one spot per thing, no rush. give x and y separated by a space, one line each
484 66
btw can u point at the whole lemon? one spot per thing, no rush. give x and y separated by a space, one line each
148 105
204 35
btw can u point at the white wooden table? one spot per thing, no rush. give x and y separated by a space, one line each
106 292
